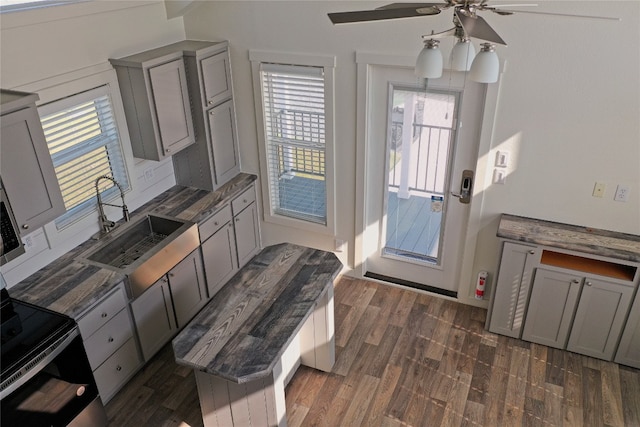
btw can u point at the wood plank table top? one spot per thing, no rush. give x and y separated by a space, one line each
605 243
242 332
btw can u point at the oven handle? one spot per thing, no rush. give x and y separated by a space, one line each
37 364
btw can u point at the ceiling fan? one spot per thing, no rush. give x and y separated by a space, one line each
467 23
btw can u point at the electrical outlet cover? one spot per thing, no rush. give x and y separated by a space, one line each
598 189
622 193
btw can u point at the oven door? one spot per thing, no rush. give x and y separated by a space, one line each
62 392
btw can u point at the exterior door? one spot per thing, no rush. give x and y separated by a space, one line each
421 154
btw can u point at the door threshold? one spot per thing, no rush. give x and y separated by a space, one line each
410 284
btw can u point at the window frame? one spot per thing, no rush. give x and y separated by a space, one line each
327 63
109 192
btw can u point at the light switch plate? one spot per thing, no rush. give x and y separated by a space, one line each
502 159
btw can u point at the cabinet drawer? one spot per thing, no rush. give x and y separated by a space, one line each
117 369
102 313
108 339
243 200
215 223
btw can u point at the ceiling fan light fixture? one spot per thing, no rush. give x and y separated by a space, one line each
486 66
429 63
462 55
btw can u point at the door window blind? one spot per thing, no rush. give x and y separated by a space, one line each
294 117
84 144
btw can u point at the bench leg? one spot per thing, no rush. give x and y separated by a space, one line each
317 336
258 403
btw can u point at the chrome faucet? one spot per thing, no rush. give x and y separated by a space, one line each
105 224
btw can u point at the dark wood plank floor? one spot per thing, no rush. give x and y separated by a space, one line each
407 359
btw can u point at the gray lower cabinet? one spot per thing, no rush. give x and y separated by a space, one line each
512 288
628 352
585 315
246 227
28 176
230 238
107 332
219 252
169 304
155 96
551 306
600 317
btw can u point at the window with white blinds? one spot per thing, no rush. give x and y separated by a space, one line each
293 100
84 144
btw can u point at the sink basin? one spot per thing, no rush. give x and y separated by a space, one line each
145 249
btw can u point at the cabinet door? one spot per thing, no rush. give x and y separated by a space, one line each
219 255
599 319
512 289
247 234
215 73
154 318
222 131
553 300
171 105
628 352
27 171
188 289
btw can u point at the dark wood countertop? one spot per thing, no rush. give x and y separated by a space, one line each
572 237
71 287
242 332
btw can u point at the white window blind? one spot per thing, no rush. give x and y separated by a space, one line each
84 144
294 117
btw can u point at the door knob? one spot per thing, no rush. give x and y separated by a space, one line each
466 184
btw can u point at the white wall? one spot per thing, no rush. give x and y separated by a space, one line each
56 50
567 111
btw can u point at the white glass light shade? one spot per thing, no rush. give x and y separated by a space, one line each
486 66
462 55
429 63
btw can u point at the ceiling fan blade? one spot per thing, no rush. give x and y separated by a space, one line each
381 14
436 6
567 15
477 27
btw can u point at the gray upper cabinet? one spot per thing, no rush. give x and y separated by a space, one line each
28 176
156 101
213 159
215 77
512 288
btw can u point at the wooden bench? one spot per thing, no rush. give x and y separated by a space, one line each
247 342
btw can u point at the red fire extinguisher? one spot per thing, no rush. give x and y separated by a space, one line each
482 280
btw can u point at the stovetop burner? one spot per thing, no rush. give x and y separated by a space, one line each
27 330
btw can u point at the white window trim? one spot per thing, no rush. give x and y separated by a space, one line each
328 63
58 87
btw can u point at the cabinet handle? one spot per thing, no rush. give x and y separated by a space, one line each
210 102
216 223
244 200
110 339
532 252
575 281
237 219
118 368
589 284
164 280
167 150
25 226
211 113
104 315
171 275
